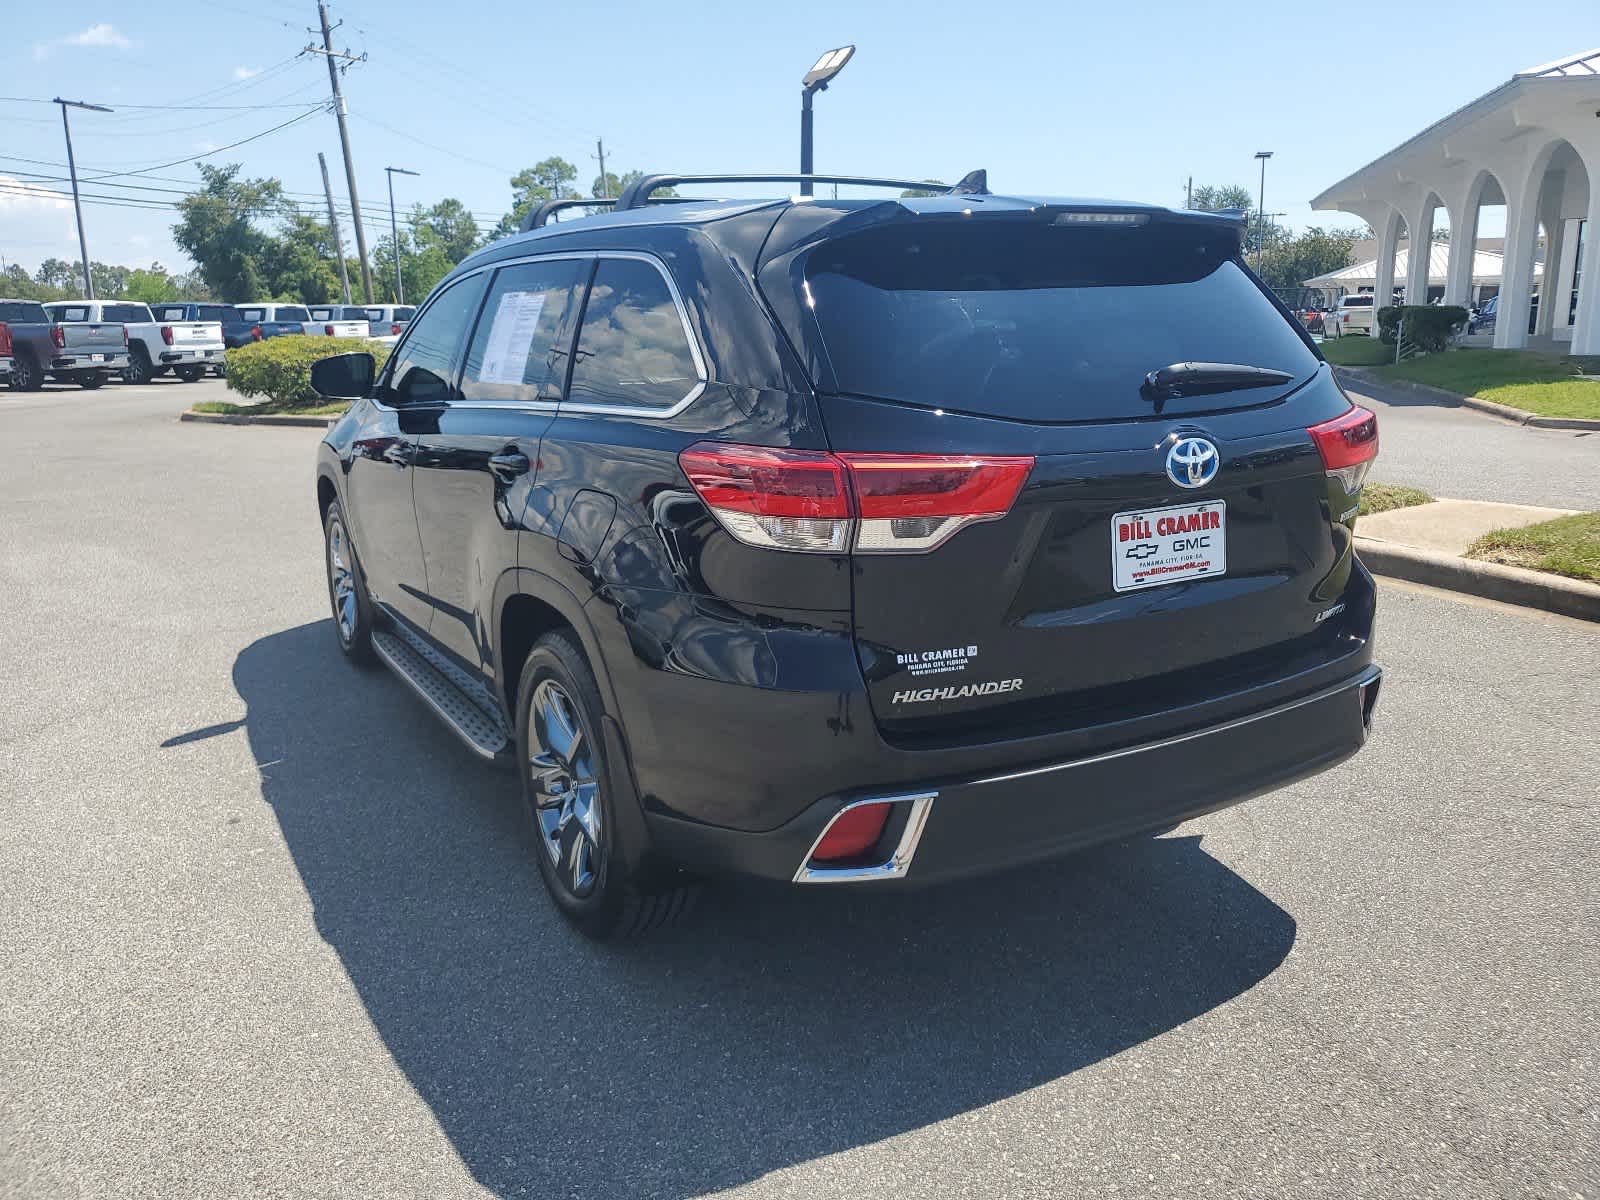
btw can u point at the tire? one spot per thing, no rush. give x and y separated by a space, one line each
581 852
25 374
347 592
138 369
189 374
91 379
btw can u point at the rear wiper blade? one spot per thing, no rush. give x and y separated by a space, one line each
1204 378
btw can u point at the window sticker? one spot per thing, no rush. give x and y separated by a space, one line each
505 358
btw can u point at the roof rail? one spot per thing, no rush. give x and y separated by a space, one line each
637 194
540 213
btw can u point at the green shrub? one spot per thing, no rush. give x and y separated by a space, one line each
1429 327
279 369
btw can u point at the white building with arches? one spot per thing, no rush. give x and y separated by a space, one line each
1533 145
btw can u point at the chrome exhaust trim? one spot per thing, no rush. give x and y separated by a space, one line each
895 866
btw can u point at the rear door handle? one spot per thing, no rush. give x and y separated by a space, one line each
509 465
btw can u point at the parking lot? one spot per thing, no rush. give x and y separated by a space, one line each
267 929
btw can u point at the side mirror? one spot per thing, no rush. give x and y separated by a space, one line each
344 376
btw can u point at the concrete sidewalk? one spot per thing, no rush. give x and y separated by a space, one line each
1425 544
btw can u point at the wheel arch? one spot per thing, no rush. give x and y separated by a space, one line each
527 605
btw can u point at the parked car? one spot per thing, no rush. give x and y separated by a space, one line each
1352 316
1483 319
855 541
386 322
186 348
84 353
5 354
1311 318
273 320
337 321
235 329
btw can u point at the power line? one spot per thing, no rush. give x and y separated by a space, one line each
207 154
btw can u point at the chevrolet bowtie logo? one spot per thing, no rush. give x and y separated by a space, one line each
1142 550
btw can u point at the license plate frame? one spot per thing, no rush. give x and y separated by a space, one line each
1172 543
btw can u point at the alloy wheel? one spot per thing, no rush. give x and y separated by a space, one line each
566 791
341 574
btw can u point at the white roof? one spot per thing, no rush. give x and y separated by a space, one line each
1486 267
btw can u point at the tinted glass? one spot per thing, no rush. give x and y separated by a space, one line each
351 313
367 314
519 349
24 312
169 312
291 312
633 349
1357 301
421 368
253 314
322 314
125 312
1042 322
69 312
217 312
403 313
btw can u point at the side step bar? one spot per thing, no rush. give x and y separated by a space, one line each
483 732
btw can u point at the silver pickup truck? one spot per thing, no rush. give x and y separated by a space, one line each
85 353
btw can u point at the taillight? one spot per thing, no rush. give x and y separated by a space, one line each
5 338
853 832
255 333
814 501
328 330
166 334
1348 444
395 329
58 336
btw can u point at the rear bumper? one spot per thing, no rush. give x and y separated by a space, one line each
965 826
86 362
199 354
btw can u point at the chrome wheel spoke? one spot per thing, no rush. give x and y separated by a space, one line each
566 794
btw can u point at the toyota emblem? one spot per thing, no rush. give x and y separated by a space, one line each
1192 462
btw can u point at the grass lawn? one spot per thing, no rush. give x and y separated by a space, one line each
1357 352
266 409
1381 497
1565 546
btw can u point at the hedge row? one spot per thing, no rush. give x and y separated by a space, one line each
1429 327
279 369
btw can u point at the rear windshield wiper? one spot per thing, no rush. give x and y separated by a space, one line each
1203 378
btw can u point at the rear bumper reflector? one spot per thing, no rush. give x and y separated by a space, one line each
915 809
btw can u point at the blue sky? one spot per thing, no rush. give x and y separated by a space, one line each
1123 100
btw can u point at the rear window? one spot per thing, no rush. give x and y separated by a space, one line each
291 312
253 314
1357 302
125 312
322 314
69 313
403 313
217 312
169 312
24 312
1041 322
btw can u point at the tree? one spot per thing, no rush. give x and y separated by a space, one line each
150 286
57 273
1315 252
1218 198
609 184
298 264
549 179
446 225
218 229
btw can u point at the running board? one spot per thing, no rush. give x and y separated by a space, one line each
481 731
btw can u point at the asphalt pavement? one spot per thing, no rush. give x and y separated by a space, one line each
267 929
1450 450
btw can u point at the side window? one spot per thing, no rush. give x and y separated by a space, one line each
252 314
633 350
519 350
322 314
419 372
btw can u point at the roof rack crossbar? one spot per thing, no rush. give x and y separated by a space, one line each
540 213
637 194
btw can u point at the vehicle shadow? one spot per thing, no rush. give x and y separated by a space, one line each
773 1028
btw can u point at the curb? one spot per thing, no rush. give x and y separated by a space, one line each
285 420
1505 412
1492 581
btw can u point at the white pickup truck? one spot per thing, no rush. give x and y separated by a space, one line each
186 348
1354 316
337 321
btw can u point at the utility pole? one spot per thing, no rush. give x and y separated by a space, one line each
605 184
333 220
394 233
328 53
1188 194
1261 207
72 169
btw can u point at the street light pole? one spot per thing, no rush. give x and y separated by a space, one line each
72 169
1261 208
394 234
816 80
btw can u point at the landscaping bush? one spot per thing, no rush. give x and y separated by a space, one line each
279 369
1429 327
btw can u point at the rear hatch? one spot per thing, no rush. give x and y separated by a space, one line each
91 337
1172 538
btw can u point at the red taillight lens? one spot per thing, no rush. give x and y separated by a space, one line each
255 332
1348 444
853 832
166 334
395 329
58 337
916 501
5 338
328 330
830 503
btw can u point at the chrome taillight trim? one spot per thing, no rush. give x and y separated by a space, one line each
898 862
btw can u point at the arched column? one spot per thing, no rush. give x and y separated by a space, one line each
1420 228
1522 229
1586 326
1463 241
1383 290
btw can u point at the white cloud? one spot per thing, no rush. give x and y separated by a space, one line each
245 72
101 34
18 196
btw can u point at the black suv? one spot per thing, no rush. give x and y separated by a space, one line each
854 541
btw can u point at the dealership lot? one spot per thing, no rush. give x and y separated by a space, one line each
268 929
